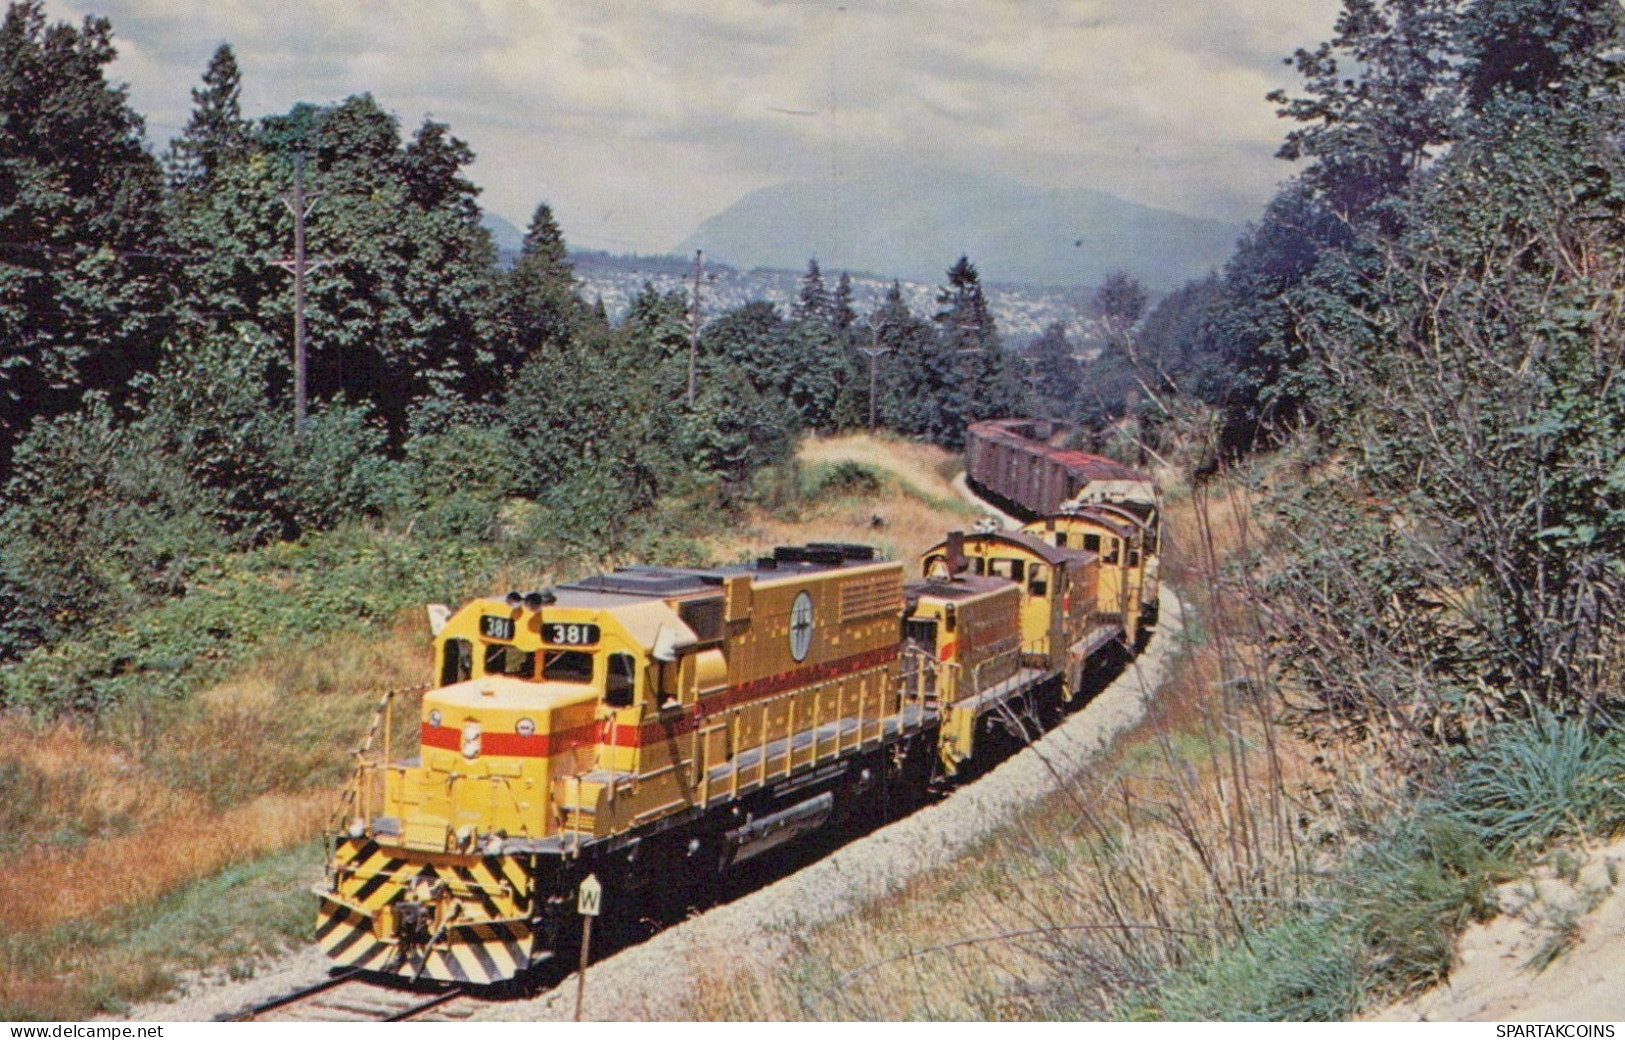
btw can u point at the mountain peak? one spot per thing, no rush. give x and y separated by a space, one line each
915 229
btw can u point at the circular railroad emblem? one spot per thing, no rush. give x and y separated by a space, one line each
801 626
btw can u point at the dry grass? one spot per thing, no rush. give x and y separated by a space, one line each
915 507
47 887
925 468
162 794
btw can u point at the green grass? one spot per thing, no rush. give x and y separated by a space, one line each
286 596
1540 780
229 923
1401 899
1301 970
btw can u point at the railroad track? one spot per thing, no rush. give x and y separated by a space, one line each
352 997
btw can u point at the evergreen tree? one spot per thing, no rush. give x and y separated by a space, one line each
755 340
916 375
403 308
1257 324
985 384
541 304
812 305
657 325
1058 376
841 314
217 131
83 280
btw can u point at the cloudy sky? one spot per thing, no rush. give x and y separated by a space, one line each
637 119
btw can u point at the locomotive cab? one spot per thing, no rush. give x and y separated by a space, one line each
1061 624
962 638
1126 535
1123 559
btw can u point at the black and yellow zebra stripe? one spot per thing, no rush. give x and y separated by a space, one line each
479 932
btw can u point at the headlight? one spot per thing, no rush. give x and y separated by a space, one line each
471 740
434 718
525 727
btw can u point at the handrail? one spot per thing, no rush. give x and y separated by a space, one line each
355 800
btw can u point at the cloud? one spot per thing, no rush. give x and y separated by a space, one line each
636 119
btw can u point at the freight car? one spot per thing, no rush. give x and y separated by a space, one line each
1010 463
653 727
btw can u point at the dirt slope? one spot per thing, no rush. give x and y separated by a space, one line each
1556 953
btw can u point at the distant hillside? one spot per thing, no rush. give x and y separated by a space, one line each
508 237
916 229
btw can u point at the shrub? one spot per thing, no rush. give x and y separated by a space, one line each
1304 970
337 471
846 478
1540 780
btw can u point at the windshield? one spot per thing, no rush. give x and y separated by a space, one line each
503 659
567 666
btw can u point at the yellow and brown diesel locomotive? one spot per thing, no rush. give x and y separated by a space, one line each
1126 539
643 725
655 726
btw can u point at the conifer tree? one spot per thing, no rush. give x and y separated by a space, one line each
813 302
841 314
217 132
983 385
541 302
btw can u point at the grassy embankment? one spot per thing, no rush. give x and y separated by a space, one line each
1218 862
174 832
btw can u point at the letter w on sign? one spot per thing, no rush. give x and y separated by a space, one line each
589 896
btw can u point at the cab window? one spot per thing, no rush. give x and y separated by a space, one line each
1060 539
1111 551
456 661
1091 543
1037 585
567 666
1007 568
618 685
505 659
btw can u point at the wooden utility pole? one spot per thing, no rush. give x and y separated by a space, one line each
874 350
694 323
299 204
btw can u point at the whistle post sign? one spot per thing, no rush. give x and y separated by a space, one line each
589 897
